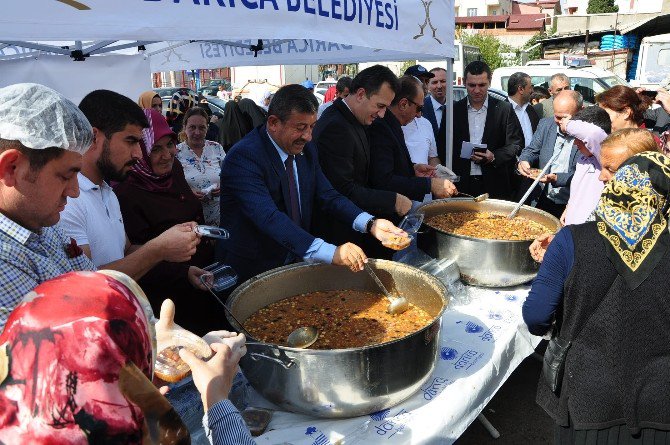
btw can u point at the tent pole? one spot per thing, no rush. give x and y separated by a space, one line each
449 124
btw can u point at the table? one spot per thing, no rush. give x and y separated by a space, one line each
481 343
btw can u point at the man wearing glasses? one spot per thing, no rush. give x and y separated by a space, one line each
391 167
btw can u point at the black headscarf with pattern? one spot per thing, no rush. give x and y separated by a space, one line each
632 216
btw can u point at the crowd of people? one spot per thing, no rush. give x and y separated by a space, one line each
113 184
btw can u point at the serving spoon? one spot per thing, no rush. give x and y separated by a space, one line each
516 208
479 198
397 305
300 338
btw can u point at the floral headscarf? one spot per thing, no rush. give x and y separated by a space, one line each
632 216
181 102
77 359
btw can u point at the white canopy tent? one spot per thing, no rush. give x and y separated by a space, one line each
190 34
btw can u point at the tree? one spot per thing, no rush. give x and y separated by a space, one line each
493 50
601 6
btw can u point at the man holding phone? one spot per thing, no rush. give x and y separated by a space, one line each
490 127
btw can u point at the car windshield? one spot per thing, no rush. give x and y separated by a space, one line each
613 81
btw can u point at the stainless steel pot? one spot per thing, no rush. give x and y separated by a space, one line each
484 262
341 382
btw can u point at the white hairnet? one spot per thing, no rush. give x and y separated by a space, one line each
40 117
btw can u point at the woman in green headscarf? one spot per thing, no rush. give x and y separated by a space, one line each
605 285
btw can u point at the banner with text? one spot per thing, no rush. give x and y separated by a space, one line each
407 26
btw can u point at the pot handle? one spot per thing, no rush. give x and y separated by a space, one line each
286 363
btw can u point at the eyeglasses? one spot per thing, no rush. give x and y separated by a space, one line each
419 108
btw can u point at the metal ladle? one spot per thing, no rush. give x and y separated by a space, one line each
300 338
480 198
397 305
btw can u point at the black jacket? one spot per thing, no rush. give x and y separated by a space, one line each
391 167
344 155
503 136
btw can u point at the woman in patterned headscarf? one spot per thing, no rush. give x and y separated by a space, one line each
605 284
182 101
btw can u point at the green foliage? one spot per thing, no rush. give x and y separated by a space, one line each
601 6
406 64
492 49
535 53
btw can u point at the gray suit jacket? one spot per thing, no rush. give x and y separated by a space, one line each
541 149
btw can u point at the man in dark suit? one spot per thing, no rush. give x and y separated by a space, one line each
548 140
391 167
519 89
344 154
271 182
434 109
481 119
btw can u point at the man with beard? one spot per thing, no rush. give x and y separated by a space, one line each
94 218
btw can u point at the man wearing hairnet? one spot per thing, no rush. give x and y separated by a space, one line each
42 138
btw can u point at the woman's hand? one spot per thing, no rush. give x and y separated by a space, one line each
539 247
198 194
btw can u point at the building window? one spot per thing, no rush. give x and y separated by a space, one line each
472 12
494 12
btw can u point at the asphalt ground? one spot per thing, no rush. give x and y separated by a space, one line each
514 413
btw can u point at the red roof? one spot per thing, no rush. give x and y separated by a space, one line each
482 19
526 21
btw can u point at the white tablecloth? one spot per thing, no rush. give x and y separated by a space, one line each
481 344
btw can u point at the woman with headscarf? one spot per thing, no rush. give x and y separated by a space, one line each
234 126
253 112
182 101
615 385
77 359
150 99
154 197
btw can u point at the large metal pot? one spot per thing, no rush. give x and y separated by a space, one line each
341 382
484 262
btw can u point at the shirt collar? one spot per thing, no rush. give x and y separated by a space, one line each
484 107
15 230
436 104
516 105
86 184
282 154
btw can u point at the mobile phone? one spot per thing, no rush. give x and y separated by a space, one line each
479 150
651 94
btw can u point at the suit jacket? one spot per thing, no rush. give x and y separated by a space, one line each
541 149
391 167
548 107
502 135
344 154
534 120
429 113
255 202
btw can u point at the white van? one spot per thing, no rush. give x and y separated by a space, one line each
588 80
653 64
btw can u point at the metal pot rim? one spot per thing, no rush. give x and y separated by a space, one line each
277 271
486 240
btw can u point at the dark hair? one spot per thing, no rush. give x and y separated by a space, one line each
541 92
516 81
596 116
409 89
195 111
620 97
342 83
371 80
37 159
110 112
476 68
290 98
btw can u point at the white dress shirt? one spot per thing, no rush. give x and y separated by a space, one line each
438 111
420 140
526 126
476 122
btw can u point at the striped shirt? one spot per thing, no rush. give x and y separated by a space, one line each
28 259
224 425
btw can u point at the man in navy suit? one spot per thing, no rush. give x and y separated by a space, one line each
271 183
434 109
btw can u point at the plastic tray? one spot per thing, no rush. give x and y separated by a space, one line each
220 277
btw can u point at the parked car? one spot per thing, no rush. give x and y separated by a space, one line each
213 87
587 80
323 86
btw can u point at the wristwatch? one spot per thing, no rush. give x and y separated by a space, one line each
368 226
